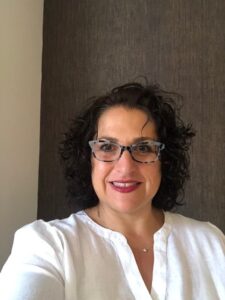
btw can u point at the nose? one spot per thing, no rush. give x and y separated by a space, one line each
126 162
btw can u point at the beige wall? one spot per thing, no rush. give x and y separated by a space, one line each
20 87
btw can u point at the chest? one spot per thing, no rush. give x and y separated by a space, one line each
145 262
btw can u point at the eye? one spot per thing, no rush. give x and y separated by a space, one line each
143 148
107 147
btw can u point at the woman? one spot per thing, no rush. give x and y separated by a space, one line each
126 161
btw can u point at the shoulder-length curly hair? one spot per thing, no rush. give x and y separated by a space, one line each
159 106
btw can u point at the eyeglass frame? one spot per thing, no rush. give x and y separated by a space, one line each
129 149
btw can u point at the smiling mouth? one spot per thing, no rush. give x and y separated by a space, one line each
124 184
125 187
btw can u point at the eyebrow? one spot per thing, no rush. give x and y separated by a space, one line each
136 140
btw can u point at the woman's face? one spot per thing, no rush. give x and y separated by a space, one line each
125 186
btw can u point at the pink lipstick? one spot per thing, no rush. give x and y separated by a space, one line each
125 186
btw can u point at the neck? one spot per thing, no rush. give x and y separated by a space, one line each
138 224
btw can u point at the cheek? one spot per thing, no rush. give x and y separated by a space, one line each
153 175
99 171
158 177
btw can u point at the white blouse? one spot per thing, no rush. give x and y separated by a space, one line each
77 259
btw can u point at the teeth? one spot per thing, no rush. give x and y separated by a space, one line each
124 184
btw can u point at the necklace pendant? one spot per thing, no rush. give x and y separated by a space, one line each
146 250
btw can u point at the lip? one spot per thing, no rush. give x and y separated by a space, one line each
124 186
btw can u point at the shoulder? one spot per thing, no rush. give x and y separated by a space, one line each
49 232
43 243
196 231
39 258
45 239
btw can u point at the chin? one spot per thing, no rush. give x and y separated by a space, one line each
128 207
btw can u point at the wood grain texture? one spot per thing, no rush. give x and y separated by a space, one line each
90 46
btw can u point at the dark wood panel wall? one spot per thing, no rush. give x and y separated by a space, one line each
90 46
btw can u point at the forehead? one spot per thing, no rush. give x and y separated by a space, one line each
126 124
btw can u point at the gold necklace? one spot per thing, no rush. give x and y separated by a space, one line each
145 250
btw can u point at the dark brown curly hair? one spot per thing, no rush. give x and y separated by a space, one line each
159 106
